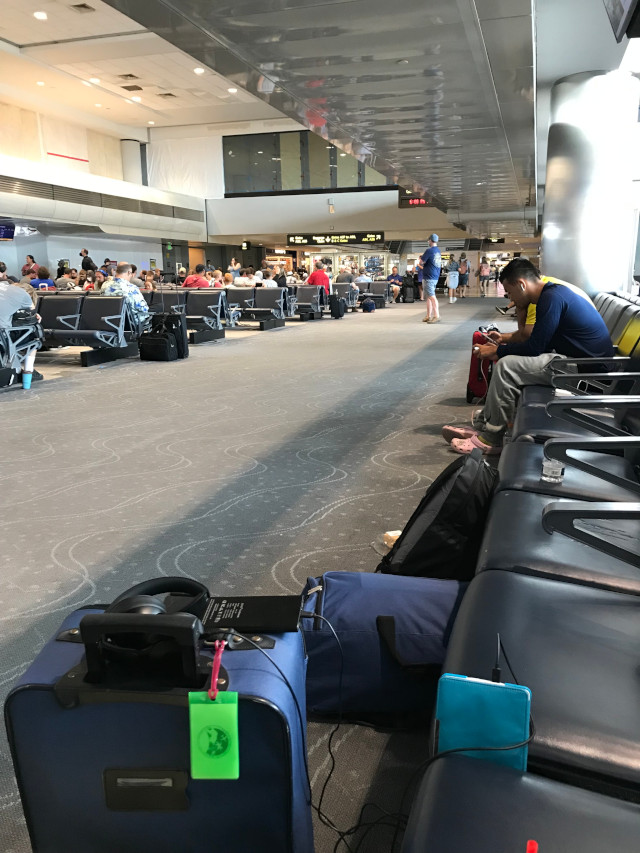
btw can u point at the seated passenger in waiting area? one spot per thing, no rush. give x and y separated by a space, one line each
121 286
197 279
14 297
268 280
363 278
43 281
395 280
567 325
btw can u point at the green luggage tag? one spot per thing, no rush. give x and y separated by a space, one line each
213 729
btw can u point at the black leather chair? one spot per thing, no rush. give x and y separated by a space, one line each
578 649
465 805
594 469
577 416
536 534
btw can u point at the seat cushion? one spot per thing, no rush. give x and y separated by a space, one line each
536 395
456 809
533 420
525 547
576 648
521 464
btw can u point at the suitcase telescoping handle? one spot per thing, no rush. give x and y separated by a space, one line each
184 628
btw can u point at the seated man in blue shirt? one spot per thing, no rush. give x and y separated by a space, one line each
567 325
396 280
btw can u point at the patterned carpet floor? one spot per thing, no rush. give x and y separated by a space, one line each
258 462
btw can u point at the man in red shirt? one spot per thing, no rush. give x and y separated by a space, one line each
319 277
197 280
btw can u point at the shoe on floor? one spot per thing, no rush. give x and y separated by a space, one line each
465 446
36 376
435 319
426 319
502 311
450 431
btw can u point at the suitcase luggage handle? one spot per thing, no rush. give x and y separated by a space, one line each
184 628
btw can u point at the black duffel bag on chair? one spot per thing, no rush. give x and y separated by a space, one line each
443 536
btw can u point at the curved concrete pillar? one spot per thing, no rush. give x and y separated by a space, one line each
589 223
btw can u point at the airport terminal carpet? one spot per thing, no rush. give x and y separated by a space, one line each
251 466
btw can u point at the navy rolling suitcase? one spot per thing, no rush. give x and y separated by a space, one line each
393 634
104 765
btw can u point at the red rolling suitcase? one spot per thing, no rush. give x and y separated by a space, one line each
479 371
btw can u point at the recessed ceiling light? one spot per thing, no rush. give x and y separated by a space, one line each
128 100
232 90
343 154
40 16
136 99
260 152
86 83
198 70
97 105
40 83
95 80
151 122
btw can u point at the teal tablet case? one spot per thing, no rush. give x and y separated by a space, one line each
471 712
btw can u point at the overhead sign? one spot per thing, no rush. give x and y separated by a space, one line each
412 201
352 237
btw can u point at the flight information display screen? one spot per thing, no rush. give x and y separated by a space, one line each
351 237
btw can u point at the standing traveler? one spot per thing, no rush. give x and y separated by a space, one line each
234 267
430 264
87 263
463 273
484 273
452 278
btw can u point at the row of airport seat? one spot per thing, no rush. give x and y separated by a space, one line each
558 578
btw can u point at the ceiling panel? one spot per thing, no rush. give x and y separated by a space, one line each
18 26
420 91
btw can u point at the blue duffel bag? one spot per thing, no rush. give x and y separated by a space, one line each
393 633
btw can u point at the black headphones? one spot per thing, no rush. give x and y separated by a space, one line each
183 595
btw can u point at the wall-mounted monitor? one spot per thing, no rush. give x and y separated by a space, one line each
7 231
620 13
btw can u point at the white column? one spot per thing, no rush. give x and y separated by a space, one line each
589 223
131 162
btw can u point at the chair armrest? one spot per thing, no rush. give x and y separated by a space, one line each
597 380
559 365
564 407
557 448
560 517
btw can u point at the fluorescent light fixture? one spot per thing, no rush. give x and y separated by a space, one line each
232 90
151 122
198 70
343 154
136 99
40 83
95 80
260 152
40 16
97 105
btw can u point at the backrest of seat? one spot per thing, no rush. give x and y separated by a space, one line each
268 297
240 295
600 298
624 317
629 343
612 310
169 301
94 312
307 293
380 288
53 306
198 301
341 289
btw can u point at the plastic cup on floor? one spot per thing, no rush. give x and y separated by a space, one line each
26 380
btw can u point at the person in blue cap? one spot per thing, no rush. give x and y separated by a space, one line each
431 263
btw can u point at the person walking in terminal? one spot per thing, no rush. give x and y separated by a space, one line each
431 263
121 286
567 325
452 278
463 276
484 274
396 280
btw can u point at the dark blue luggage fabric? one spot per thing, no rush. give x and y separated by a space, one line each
61 754
373 682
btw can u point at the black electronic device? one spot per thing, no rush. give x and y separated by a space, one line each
274 614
